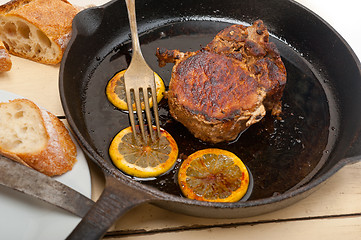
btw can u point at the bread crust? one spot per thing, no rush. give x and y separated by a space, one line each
58 156
5 61
52 17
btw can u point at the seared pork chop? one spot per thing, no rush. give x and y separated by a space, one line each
222 89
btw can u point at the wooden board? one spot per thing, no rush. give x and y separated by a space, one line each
332 212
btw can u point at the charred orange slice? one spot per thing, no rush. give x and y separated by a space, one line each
143 159
213 175
115 91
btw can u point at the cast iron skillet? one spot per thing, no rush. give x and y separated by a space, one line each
318 134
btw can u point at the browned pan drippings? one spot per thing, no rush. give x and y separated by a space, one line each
278 152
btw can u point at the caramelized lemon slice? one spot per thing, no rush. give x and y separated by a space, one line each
143 159
213 175
115 91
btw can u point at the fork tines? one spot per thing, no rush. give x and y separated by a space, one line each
140 96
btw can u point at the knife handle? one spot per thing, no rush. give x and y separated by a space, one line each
116 199
42 187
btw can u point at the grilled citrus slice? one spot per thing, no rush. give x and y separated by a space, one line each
144 159
115 91
213 175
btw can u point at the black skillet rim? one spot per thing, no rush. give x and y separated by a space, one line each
111 170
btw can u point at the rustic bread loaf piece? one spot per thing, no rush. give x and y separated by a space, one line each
5 61
37 29
35 138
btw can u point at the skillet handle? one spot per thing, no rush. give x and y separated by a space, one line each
116 199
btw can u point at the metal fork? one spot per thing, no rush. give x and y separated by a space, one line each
139 79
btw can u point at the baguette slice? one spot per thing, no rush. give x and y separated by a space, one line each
5 61
35 138
38 30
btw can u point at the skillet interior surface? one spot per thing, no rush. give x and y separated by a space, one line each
279 153
282 154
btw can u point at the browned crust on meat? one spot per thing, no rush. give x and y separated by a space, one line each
214 127
220 90
216 130
171 56
214 86
251 46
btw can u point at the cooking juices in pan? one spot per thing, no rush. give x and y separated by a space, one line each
280 153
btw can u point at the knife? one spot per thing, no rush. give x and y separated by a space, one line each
26 180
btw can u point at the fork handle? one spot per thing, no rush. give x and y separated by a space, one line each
133 25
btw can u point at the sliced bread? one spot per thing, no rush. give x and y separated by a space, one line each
35 138
37 29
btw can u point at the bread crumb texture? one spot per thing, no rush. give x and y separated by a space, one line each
37 29
35 137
